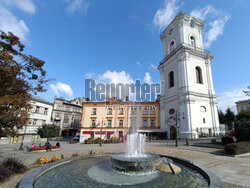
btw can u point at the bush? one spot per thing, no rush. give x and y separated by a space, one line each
98 141
14 165
4 173
43 160
75 155
113 140
56 158
238 148
227 140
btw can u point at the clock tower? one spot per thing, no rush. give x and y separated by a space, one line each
188 100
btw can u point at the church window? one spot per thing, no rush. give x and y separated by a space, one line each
192 41
172 46
198 75
171 79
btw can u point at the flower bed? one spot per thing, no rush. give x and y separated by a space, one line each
43 148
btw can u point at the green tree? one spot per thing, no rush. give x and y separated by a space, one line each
20 75
222 118
242 126
48 131
230 117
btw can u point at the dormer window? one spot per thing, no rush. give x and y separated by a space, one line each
171 46
192 41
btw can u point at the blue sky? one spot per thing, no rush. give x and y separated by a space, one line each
113 40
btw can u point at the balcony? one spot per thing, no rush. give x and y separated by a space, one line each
185 46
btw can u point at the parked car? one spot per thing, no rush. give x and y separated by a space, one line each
76 137
230 133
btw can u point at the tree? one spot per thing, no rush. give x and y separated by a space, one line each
20 75
48 131
230 117
222 118
247 92
242 126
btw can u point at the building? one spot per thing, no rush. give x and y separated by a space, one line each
39 114
114 118
243 105
188 98
68 115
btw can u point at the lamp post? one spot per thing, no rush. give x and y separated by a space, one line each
103 123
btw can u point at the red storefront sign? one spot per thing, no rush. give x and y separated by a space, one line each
87 132
110 132
100 132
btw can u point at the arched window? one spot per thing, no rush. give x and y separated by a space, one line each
171 79
171 46
192 41
198 75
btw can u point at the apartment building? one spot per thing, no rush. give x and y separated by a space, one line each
67 114
39 114
114 118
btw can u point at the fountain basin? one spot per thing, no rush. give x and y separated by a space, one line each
144 164
96 171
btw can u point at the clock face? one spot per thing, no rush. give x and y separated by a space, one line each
203 109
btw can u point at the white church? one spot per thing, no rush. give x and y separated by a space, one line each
188 98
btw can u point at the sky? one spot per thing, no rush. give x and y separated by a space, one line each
115 40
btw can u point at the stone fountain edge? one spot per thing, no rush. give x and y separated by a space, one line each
29 180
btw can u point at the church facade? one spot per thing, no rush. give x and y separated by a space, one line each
188 104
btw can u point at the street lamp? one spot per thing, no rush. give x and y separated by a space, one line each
103 123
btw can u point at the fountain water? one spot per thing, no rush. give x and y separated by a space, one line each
135 145
135 160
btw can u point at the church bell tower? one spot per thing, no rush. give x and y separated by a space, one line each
188 100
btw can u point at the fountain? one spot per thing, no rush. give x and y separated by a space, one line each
135 160
134 168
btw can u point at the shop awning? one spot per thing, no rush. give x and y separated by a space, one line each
87 132
100 132
110 132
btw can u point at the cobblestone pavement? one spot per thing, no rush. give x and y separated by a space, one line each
234 172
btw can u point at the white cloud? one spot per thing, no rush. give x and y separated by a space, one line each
8 22
153 66
138 63
89 75
165 15
203 12
62 89
147 78
115 77
228 98
77 5
216 29
25 5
